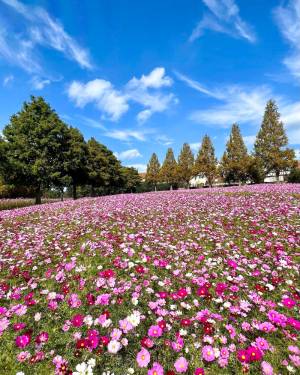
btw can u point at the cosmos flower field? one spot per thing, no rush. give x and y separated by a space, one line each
193 282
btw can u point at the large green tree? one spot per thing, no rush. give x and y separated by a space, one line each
271 141
169 171
152 173
235 160
75 160
33 143
131 179
206 162
103 168
185 164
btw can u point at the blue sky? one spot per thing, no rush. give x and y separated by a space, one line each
142 76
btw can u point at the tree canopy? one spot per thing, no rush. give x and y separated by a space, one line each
206 162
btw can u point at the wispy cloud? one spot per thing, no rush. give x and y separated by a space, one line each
197 86
249 140
224 17
39 30
245 105
288 20
128 134
114 103
39 83
128 154
7 80
164 140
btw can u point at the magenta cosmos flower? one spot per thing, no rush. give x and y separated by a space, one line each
155 331
157 369
143 358
22 341
181 365
208 353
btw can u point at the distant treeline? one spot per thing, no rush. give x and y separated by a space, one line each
270 155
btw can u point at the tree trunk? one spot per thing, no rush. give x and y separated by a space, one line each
38 196
92 191
277 176
155 188
171 187
62 195
74 191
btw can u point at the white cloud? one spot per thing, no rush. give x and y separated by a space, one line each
244 105
140 167
127 134
224 18
114 103
195 146
110 101
238 104
288 20
155 79
40 29
128 154
249 140
164 140
8 79
39 83
197 86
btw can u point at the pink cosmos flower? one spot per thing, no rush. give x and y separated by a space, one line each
103 299
77 320
155 331
4 323
231 331
266 368
262 343
157 369
143 358
178 344
42 337
254 354
288 302
181 365
243 355
23 356
22 341
208 353
18 326
199 371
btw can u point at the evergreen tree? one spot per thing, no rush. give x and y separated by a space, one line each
235 160
75 159
206 162
271 141
131 179
103 168
185 164
153 168
169 171
33 143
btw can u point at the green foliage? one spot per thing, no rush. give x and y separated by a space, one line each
235 160
103 168
185 164
153 169
169 171
294 175
131 179
206 162
271 141
33 145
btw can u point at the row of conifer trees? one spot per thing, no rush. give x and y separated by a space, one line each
270 155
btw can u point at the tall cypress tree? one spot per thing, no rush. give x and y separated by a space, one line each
153 168
185 164
206 162
235 160
169 171
271 141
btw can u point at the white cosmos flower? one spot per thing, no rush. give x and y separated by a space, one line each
114 346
